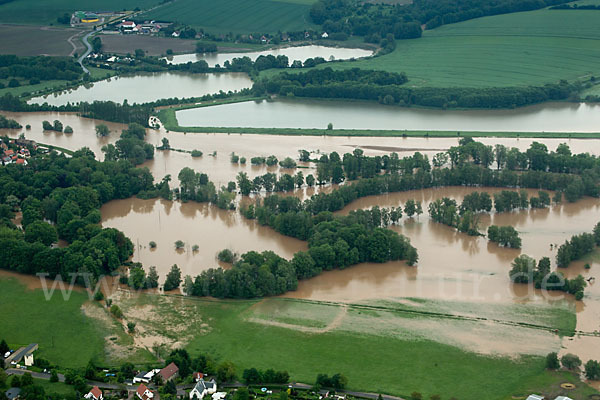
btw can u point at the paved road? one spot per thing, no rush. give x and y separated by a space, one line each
89 49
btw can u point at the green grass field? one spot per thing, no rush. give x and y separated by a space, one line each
379 346
528 48
58 388
65 336
238 16
386 350
45 12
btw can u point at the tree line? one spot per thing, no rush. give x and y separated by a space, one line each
375 21
39 68
339 86
105 110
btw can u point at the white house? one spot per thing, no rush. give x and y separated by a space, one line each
563 398
535 397
325 35
94 394
203 388
145 377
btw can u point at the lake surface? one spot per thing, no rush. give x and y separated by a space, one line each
317 114
147 87
293 53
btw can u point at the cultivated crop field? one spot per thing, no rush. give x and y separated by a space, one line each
46 12
23 40
528 48
238 16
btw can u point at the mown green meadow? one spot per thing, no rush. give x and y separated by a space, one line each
527 48
379 349
238 16
66 337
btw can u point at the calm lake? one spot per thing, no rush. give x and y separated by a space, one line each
147 87
293 53
317 114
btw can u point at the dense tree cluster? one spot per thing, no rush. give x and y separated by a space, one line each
506 236
253 376
525 270
376 20
334 242
130 146
445 211
340 86
60 197
337 381
105 110
577 247
39 68
6 123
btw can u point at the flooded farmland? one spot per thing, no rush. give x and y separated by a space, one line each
317 114
300 53
148 87
452 266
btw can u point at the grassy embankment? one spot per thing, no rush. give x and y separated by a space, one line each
238 16
381 347
169 121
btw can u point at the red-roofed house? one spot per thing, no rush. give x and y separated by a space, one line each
143 393
169 372
94 394
198 376
21 161
9 153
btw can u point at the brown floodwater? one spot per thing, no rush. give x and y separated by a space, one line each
207 226
452 266
221 170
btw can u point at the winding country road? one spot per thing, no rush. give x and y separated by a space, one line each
89 49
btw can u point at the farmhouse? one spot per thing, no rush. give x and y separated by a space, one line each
143 393
24 353
203 388
169 372
145 377
94 394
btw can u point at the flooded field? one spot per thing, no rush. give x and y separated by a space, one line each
209 227
148 87
300 53
452 266
315 114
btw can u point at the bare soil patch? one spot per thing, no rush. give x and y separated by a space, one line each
24 40
152 45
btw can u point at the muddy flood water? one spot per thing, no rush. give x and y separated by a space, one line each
452 266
